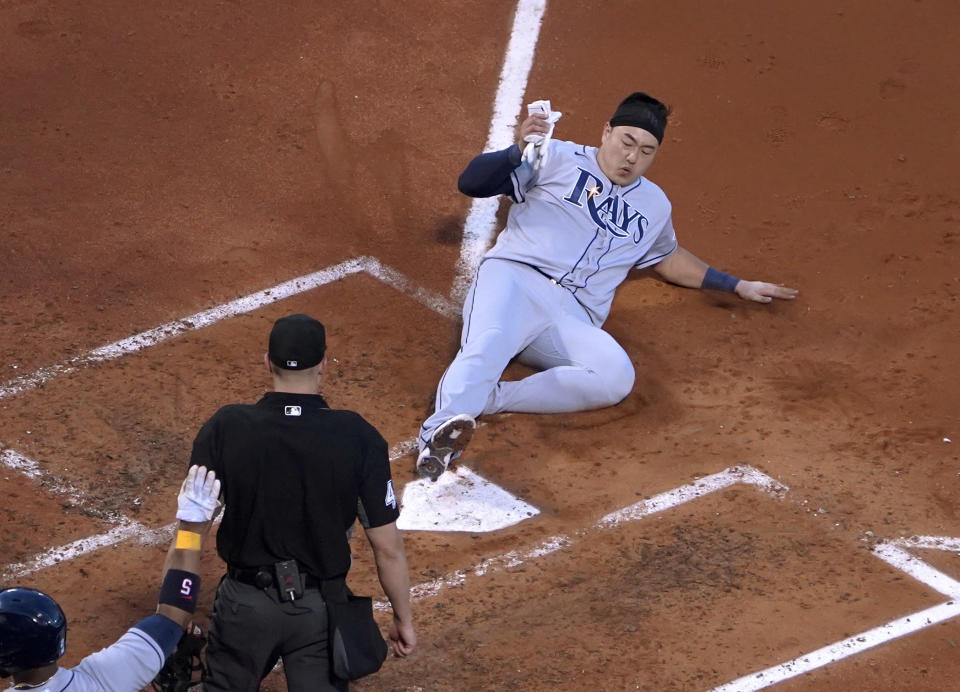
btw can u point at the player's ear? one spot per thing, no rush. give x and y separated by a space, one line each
606 132
266 362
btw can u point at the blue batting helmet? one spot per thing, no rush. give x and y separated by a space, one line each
33 630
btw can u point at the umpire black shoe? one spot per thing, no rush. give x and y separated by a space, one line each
446 444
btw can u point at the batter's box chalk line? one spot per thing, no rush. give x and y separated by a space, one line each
368 265
66 492
895 553
125 529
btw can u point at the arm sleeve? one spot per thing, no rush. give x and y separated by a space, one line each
489 174
134 660
376 486
164 631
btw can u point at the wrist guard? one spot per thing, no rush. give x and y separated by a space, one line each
180 589
716 280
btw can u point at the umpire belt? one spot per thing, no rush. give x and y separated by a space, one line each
262 577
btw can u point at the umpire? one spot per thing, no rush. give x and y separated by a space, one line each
293 471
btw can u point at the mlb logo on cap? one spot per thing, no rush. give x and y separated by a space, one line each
291 363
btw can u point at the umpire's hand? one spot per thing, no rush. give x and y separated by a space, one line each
403 640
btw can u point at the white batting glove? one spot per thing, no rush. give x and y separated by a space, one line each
535 153
199 499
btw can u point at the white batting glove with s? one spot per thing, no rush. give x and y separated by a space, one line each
535 153
199 499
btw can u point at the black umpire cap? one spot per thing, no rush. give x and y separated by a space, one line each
297 342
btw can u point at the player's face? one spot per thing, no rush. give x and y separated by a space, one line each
626 153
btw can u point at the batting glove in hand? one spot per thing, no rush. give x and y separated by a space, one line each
199 499
535 153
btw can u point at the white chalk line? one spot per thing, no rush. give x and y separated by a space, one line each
481 219
28 467
698 488
929 543
513 558
65 491
843 649
896 556
254 301
391 277
122 531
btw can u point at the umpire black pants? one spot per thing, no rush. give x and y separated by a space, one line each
252 628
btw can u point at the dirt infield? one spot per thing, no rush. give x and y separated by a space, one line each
157 162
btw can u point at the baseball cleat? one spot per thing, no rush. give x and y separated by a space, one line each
446 444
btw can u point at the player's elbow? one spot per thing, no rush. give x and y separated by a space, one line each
469 186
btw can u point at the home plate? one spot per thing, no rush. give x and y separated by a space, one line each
460 500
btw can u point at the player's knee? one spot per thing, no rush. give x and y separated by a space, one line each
616 376
620 382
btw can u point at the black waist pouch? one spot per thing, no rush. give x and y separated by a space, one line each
357 647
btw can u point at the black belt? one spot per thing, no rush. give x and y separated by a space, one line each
262 577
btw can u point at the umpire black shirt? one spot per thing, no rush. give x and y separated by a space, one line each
292 471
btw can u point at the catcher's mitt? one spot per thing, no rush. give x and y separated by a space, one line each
177 673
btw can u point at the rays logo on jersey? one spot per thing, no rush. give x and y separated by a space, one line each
612 213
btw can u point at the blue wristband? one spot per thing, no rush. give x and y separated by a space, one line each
716 280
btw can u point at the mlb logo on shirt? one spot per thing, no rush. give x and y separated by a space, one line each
291 410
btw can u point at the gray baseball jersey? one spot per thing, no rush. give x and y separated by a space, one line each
573 224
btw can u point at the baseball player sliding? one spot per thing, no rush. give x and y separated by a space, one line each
582 218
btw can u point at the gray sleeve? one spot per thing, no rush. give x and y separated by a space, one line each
126 666
665 244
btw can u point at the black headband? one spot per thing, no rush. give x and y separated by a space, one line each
645 112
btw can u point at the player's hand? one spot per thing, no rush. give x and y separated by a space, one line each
403 640
535 126
199 499
762 292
